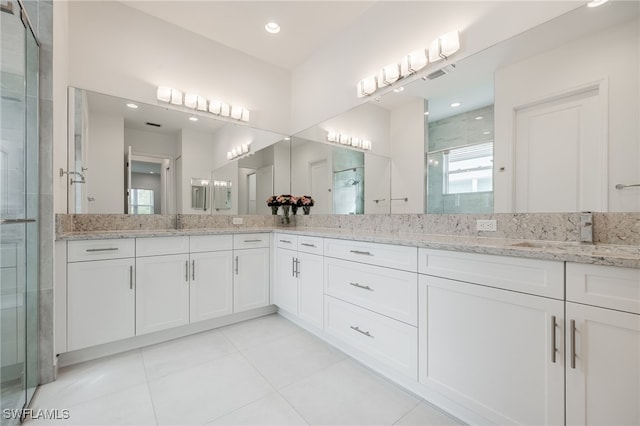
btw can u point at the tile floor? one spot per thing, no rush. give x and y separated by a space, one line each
266 371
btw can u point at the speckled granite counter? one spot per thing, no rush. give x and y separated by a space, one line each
600 254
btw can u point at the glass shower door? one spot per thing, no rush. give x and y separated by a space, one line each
18 213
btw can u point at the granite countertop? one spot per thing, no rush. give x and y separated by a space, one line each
599 254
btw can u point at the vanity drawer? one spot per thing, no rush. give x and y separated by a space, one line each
202 243
387 291
159 246
533 276
398 257
244 241
287 241
604 286
312 245
391 342
80 251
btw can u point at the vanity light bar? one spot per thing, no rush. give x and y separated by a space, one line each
240 151
343 139
439 49
200 103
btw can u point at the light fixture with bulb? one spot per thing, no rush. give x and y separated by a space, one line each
200 103
344 139
240 151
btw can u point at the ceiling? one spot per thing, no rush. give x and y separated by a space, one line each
305 25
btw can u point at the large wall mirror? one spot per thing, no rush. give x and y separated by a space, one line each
546 121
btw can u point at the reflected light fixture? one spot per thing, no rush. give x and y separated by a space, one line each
455 104
344 139
596 3
240 151
272 28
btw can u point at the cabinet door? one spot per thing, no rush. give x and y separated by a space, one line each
603 366
211 290
493 350
286 285
101 302
310 288
162 292
251 279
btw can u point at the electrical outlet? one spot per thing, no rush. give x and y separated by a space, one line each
237 221
486 225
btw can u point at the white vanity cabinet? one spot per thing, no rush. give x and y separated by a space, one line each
162 283
299 277
603 345
371 302
251 271
489 344
100 292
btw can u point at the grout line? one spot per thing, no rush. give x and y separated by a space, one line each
153 405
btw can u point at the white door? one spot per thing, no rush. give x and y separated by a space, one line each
211 290
603 382
492 350
560 155
162 292
311 288
264 189
251 279
320 187
101 302
286 285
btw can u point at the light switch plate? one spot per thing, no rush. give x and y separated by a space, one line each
486 225
237 221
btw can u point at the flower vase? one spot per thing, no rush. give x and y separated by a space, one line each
294 209
285 211
306 209
274 210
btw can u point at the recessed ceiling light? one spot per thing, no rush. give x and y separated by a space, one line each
426 113
193 118
455 104
272 28
596 3
132 106
287 138
399 89
486 132
479 117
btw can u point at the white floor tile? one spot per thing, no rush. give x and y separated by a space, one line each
89 380
348 394
427 415
288 359
207 391
169 357
258 331
127 407
270 410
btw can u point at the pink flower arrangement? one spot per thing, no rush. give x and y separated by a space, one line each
305 200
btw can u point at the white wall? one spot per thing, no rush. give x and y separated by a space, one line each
377 184
389 30
407 157
611 55
151 143
106 161
196 162
117 50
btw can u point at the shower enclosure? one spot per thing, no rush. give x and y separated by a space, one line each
19 196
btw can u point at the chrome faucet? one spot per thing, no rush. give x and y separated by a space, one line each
586 227
71 181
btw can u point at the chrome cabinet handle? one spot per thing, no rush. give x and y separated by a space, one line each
366 333
573 343
308 245
103 249
297 267
15 221
186 271
364 287
282 241
130 277
236 265
252 241
366 253
553 338
193 270
293 266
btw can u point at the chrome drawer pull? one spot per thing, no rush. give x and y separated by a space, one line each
364 287
282 241
186 271
554 324
193 270
15 221
573 343
103 249
308 245
366 333
366 253
252 241
131 277
237 265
